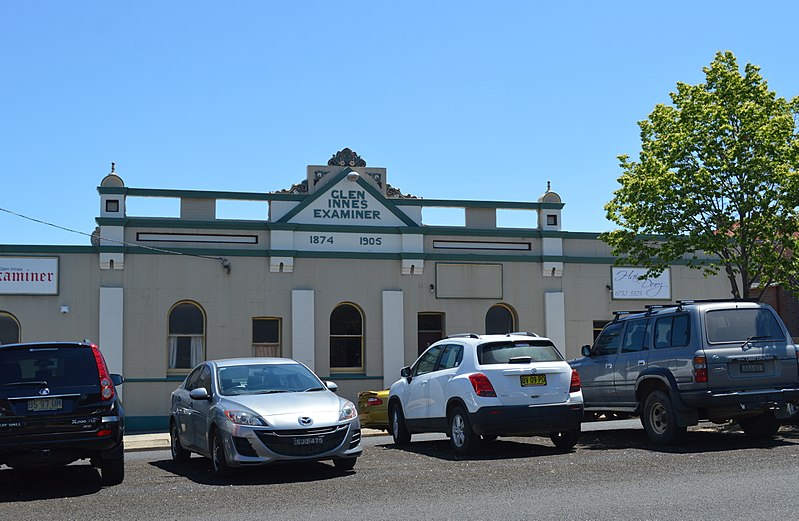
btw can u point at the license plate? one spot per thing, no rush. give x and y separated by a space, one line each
752 368
44 404
529 380
308 441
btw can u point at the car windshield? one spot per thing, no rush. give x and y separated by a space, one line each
53 365
521 351
740 325
266 379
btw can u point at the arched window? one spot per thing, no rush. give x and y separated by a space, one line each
9 328
186 335
346 338
500 320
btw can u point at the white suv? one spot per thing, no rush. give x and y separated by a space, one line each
471 386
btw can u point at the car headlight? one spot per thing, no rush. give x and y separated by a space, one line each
347 412
245 418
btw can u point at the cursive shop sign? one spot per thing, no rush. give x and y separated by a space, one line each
627 284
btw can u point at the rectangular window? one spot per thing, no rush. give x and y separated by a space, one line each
599 325
552 220
345 352
430 329
738 325
266 337
672 332
112 205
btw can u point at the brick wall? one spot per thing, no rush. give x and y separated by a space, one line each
787 306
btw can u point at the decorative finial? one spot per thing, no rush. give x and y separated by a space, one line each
346 157
113 167
548 185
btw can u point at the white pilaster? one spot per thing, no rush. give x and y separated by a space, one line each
302 327
111 327
555 319
393 336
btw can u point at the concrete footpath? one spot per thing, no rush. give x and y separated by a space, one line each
160 440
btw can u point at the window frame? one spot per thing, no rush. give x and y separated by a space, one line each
278 344
362 336
510 311
15 320
419 331
202 336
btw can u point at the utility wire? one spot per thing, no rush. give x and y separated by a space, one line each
224 261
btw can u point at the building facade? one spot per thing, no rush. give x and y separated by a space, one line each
341 273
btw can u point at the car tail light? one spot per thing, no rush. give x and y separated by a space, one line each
373 401
700 369
482 385
106 385
575 383
104 432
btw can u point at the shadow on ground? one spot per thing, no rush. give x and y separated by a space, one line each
62 482
198 469
699 439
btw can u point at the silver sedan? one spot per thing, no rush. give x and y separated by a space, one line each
255 411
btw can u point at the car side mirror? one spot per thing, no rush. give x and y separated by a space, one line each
332 386
199 394
405 372
117 379
586 350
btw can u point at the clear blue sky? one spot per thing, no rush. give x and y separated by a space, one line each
459 100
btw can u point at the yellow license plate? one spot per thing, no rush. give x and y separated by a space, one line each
529 380
45 404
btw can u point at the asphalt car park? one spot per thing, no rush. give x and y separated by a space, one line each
615 472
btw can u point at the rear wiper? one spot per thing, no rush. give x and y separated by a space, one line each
751 338
520 360
33 382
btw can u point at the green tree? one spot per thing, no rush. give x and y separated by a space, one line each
716 183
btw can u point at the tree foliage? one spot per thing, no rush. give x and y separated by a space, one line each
716 183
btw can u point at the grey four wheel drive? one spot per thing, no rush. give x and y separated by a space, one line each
678 364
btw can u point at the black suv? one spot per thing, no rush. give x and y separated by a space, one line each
58 404
695 360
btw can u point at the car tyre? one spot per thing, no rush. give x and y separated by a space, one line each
565 440
399 431
659 419
112 467
178 452
218 459
345 463
760 427
461 436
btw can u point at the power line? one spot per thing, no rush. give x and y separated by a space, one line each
224 261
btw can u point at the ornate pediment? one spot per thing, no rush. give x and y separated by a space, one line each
346 157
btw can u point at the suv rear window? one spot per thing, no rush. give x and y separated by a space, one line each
738 325
503 352
56 365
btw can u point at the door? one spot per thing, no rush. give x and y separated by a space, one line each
184 407
198 417
631 360
438 383
417 394
597 370
747 348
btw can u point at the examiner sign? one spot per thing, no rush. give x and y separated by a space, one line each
28 275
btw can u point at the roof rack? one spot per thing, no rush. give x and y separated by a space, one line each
618 314
463 335
702 301
524 333
651 308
